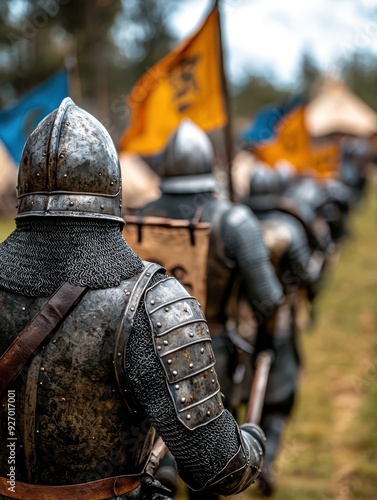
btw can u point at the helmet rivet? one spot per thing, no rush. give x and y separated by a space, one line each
102 207
111 184
38 174
71 203
188 417
61 155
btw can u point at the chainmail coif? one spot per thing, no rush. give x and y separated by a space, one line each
42 254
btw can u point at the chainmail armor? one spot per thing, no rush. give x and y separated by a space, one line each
40 255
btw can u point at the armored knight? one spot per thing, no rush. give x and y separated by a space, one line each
286 238
131 358
236 247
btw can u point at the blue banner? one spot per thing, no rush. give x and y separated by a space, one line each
18 121
266 121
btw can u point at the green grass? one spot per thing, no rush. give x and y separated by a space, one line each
7 225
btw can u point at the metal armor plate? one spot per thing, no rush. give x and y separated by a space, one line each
183 345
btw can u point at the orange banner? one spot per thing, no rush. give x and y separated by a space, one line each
185 83
326 161
292 142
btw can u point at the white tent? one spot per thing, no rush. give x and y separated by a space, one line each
140 184
336 109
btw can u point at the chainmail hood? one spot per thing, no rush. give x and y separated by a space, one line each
41 254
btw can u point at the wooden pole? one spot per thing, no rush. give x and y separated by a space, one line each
228 133
258 387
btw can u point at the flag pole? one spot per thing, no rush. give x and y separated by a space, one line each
228 133
71 66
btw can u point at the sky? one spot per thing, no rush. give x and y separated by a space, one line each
270 36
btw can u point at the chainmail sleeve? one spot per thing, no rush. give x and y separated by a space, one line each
243 243
202 453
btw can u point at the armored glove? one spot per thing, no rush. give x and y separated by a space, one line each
152 489
256 432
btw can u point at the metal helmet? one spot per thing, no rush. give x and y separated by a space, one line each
264 180
69 168
187 163
264 187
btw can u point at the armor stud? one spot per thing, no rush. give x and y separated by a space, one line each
191 365
42 369
175 373
188 417
166 309
169 361
132 308
166 342
71 203
208 413
152 302
119 354
102 207
202 350
23 308
159 348
177 387
183 400
159 324
191 334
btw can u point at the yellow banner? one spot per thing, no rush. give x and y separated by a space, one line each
185 83
326 160
177 245
292 143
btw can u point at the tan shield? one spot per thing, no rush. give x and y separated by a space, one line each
178 245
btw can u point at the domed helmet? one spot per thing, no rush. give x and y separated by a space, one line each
186 166
265 187
69 168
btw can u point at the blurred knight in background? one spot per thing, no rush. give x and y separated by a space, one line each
286 236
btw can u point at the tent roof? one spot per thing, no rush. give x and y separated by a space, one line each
8 171
140 184
336 109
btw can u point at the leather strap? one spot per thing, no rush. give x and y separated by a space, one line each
39 328
102 489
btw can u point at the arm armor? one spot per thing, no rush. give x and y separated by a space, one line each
243 243
244 467
184 347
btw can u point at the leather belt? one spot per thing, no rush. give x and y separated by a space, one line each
102 489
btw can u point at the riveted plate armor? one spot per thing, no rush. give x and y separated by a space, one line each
53 417
183 345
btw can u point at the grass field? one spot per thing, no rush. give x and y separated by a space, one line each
330 448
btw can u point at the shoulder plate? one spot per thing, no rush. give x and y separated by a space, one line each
133 296
184 347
